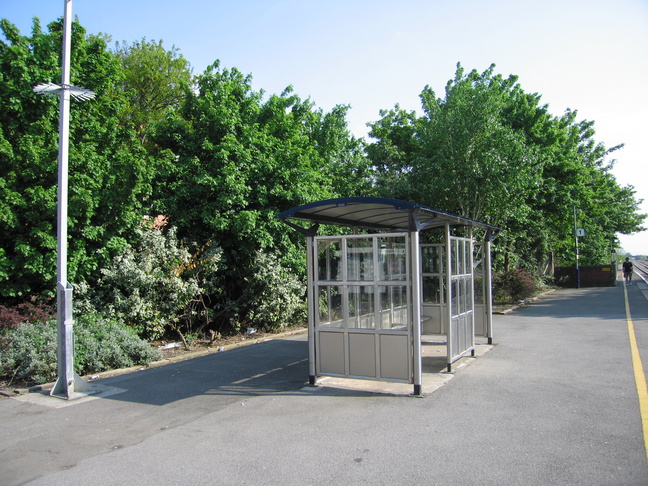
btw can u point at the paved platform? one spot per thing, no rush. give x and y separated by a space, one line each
434 374
553 401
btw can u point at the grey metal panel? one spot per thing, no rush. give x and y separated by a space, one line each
433 323
480 320
395 357
362 354
331 353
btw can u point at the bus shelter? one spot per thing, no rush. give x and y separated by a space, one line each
373 294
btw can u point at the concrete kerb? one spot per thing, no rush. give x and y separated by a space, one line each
522 303
10 392
442 378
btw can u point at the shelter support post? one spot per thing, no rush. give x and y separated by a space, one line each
312 308
415 252
448 289
471 266
488 290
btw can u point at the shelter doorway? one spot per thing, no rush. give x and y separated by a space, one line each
434 285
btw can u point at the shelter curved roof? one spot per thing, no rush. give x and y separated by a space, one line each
376 213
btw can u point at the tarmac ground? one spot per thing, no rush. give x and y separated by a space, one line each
554 400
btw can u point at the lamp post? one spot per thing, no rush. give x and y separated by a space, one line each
68 383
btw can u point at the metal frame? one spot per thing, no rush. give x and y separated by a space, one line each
483 269
395 218
459 297
347 326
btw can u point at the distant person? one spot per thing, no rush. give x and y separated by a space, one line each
627 271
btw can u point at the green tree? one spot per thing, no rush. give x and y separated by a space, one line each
155 80
488 150
470 161
234 161
108 175
582 180
394 152
461 155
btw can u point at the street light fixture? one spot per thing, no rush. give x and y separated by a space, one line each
68 383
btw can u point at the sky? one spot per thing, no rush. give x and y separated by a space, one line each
586 55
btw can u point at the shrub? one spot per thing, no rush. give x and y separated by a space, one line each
153 287
277 298
29 352
10 318
513 285
104 344
28 311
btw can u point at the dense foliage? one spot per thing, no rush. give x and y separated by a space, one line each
234 161
513 285
490 151
176 179
208 154
156 286
109 177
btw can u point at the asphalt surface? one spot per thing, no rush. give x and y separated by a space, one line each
553 401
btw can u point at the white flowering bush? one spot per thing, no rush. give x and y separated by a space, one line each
276 297
154 287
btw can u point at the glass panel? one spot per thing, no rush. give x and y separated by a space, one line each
362 311
432 290
464 260
393 307
392 258
427 259
456 294
478 259
467 256
360 259
329 254
454 257
330 306
479 289
432 259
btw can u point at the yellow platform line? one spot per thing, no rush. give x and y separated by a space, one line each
640 377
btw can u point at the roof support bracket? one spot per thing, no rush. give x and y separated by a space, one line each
312 231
